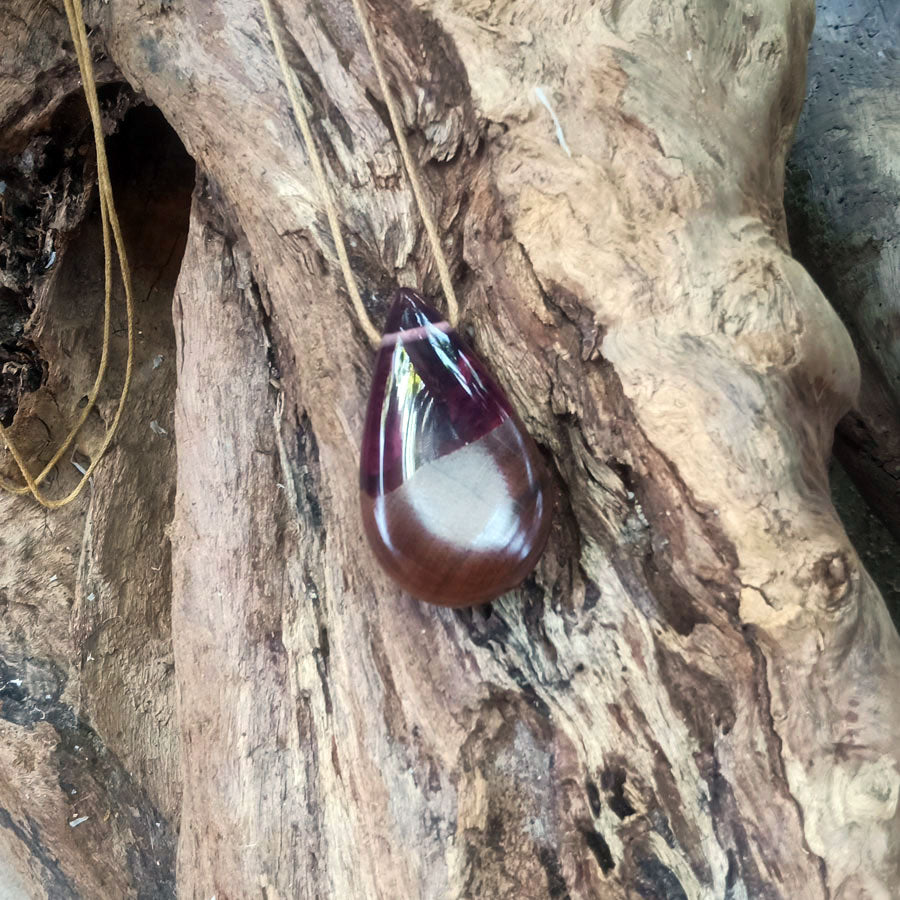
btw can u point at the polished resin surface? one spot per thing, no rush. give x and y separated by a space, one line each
456 500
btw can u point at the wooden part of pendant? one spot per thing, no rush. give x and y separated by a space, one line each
456 500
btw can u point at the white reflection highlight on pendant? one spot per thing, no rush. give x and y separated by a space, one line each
410 394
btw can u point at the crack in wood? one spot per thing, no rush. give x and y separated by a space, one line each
31 694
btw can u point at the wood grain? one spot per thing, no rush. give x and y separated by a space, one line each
694 695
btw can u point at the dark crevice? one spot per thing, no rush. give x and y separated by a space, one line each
598 846
52 261
656 881
612 780
44 191
556 883
31 694
593 797
305 472
53 878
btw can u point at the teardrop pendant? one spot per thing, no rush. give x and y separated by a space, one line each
456 500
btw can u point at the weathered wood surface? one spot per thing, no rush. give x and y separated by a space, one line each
843 202
694 694
86 670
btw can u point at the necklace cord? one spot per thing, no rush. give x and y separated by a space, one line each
411 170
297 103
408 164
110 223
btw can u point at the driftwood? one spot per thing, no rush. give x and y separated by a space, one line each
693 695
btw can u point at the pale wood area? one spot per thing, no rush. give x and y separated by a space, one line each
694 694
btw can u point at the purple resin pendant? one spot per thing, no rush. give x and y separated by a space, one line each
456 500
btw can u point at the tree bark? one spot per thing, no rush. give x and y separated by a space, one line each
692 696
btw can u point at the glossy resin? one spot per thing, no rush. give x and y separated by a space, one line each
456 500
